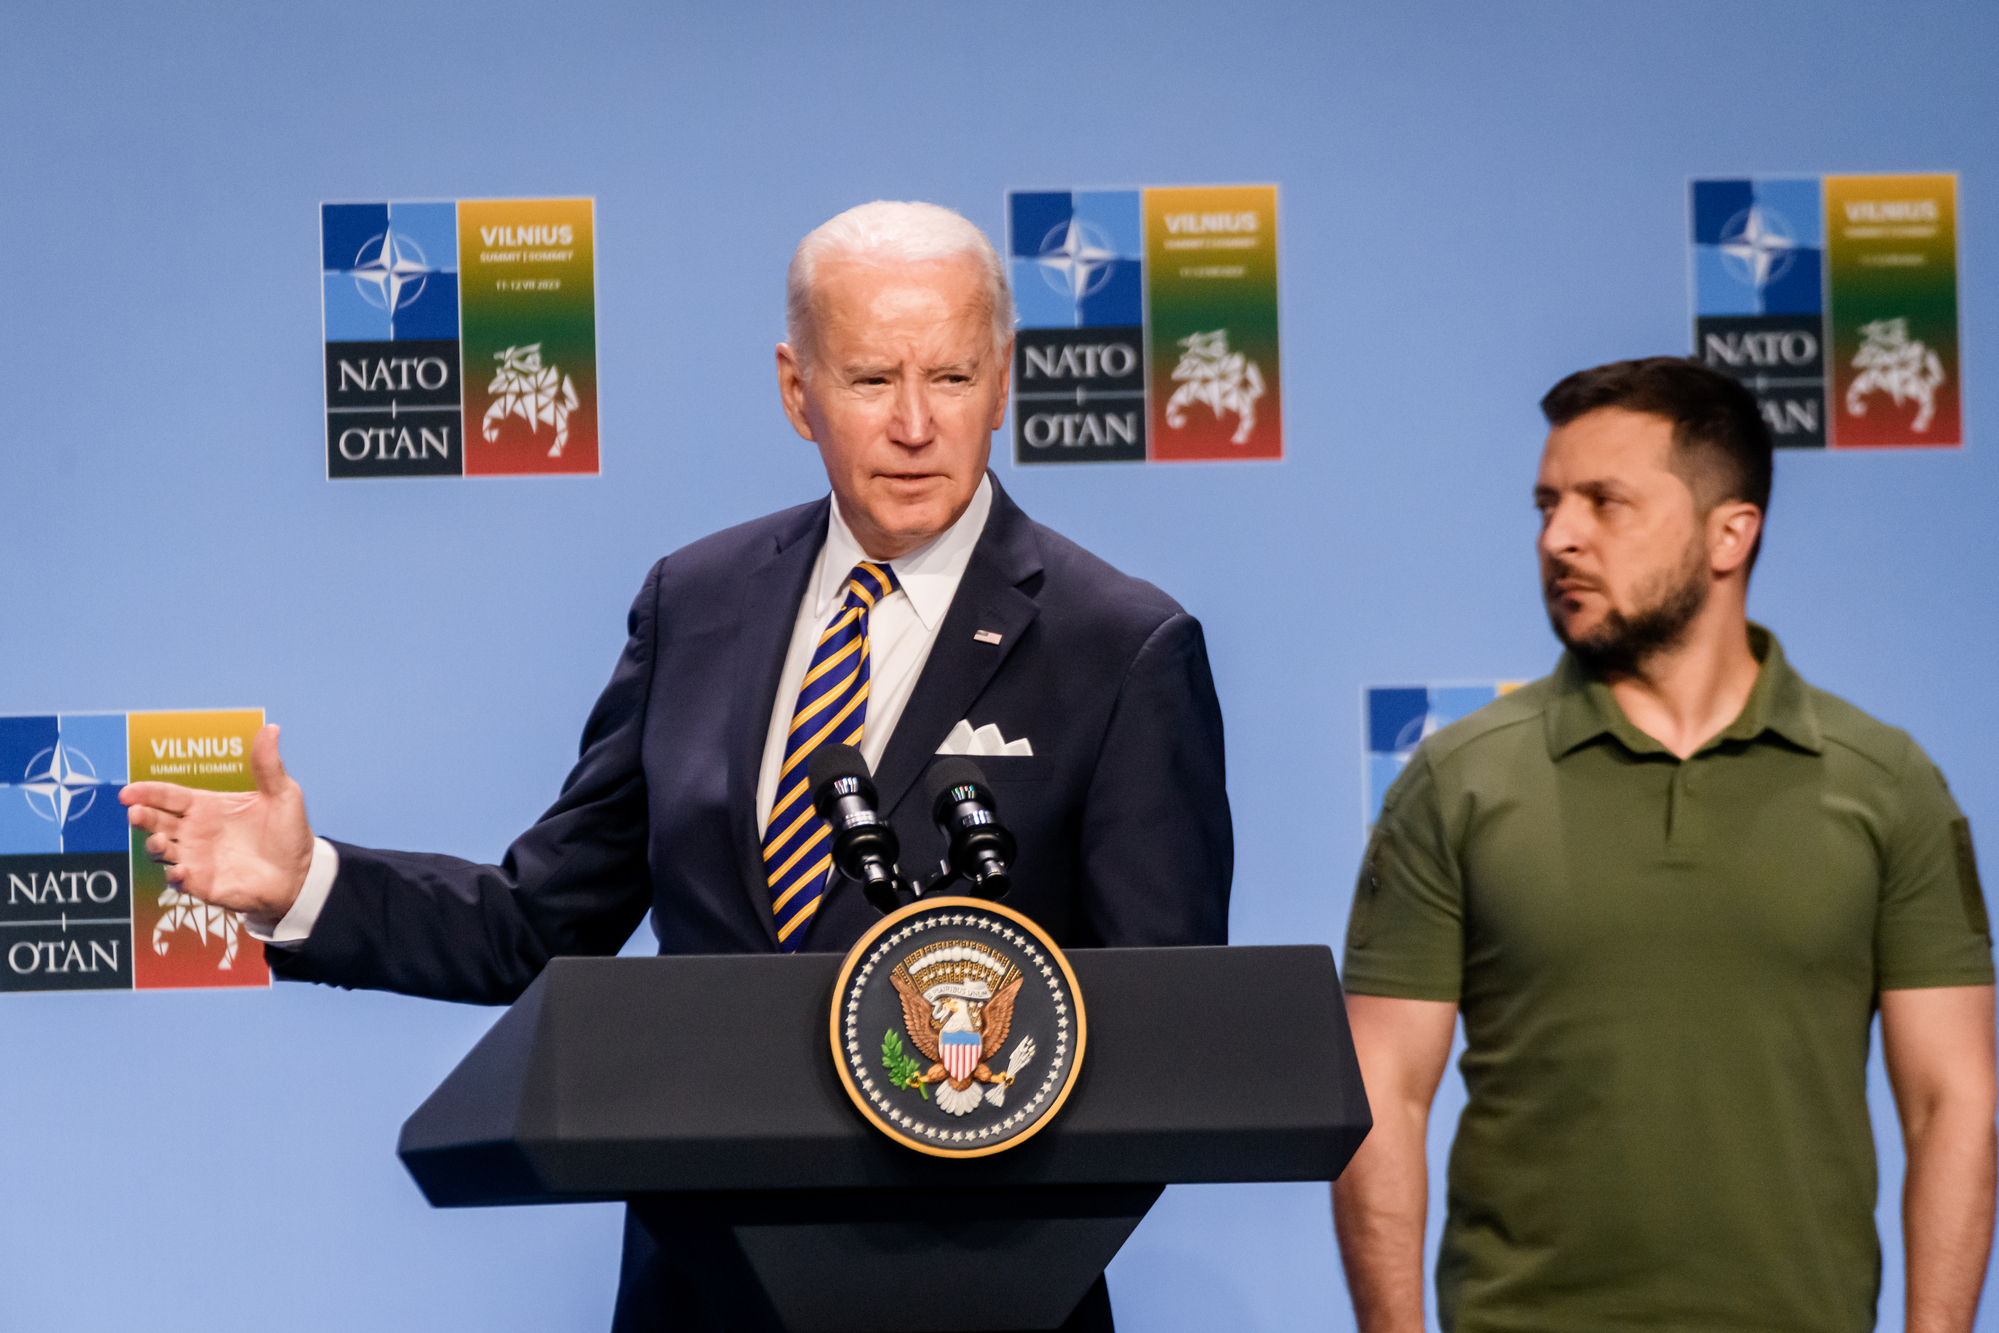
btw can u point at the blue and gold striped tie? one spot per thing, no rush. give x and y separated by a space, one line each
832 707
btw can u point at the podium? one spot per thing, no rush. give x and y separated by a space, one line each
702 1090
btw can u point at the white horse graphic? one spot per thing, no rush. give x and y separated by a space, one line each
1226 381
531 391
1891 362
186 913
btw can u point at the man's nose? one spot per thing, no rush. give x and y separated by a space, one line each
1561 531
913 423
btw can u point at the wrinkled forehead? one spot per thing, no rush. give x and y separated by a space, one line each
866 289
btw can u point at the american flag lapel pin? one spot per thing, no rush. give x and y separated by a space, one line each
986 636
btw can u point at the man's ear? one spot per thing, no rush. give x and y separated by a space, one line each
1005 384
791 389
1732 529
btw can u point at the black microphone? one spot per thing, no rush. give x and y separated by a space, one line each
963 806
864 845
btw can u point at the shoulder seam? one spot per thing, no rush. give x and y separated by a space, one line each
1432 749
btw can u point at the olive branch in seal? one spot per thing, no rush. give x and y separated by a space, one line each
903 1071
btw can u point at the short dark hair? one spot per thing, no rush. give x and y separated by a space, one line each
1721 445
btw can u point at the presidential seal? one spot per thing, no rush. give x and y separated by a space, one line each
957 1027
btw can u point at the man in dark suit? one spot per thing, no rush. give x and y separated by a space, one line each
916 610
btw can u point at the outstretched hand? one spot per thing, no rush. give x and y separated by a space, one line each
246 851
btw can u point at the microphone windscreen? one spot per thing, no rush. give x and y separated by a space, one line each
835 761
952 770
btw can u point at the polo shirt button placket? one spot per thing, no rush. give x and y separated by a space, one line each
1679 793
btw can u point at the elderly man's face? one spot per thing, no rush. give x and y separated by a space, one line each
903 394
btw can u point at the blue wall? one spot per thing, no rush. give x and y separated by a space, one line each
1476 199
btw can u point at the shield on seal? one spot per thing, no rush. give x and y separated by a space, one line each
960 1052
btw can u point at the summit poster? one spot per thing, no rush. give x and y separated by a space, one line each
1834 299
82 906
461 337
1147 324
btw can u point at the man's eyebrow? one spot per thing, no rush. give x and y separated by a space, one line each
1595 488
1603 488
866 370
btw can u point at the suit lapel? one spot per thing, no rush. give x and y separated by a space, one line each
771 595
989 597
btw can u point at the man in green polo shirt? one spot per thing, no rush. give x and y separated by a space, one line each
1667 887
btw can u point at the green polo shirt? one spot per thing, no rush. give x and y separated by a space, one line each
1667 970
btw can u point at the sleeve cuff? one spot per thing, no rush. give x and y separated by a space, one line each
292 929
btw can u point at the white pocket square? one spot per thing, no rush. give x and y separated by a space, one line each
985 741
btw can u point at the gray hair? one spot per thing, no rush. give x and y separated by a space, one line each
893 231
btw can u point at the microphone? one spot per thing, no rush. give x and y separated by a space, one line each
864 845
967 815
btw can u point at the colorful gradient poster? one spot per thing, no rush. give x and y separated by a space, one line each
1211 322
179 941
1147 324
1834 301
1892 273
83 907
529 335
461 338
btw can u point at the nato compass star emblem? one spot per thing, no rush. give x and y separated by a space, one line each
957 1027
390 271
1758 246
61 784
1077 258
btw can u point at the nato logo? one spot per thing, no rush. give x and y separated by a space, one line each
1758 247
59 781
390 271
1759 259
1076 258
1399 717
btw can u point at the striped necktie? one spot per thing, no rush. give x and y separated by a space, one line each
832 707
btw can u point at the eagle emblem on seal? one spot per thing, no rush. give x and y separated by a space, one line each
957 1027
957 1006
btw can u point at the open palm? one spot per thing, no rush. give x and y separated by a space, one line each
246 851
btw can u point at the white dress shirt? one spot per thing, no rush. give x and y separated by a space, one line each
901 628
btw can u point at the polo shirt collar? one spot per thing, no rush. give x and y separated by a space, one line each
1583 707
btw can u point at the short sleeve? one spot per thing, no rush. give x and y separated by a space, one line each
1405 934
1932 928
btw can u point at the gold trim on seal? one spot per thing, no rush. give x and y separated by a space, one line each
887 924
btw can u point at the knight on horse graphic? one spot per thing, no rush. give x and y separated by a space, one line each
531 391
1226 381
1891 362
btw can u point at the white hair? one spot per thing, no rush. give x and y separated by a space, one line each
894 232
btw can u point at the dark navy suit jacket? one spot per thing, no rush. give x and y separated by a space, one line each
1121 813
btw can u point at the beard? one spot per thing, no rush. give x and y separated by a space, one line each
1620 645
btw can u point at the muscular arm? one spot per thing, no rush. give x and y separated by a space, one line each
1938 1044
1380 1201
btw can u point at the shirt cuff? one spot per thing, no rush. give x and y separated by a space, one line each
292 929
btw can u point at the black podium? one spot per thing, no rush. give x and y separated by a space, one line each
703 1091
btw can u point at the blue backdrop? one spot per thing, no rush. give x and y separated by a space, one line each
1475 200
